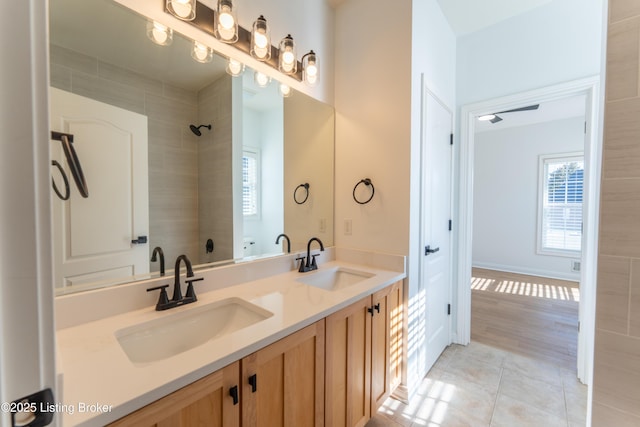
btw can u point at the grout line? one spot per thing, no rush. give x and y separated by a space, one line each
495 402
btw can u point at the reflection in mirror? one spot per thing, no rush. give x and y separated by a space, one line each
231 185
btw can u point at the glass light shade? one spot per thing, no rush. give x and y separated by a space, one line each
182 9
285 90
226 25
159 34
201 53
261 79
235 68
310 68
287 62
261 40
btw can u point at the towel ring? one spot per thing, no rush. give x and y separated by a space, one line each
367 182
295 193
72 159
67 193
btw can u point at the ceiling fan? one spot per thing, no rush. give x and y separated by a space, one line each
494 118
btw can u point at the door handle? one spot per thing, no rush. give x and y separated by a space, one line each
233 392
253 382
428 250
140 240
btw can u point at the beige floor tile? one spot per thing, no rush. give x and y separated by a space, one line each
510 412
484 353
443 415
466 369
533 368
382 421
576 405
537 393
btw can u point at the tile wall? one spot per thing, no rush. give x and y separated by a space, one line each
616 385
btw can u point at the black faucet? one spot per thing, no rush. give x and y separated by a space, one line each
158 251
310 264
288 241
178 299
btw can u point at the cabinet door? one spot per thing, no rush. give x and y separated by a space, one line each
348 366
386 343
283 384
206 402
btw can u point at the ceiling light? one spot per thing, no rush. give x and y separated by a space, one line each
486 117
235 68
287 62
261 40
310 68
159 34
201 53
261 79
182 9
226 25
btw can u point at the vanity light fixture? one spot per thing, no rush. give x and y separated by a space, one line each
182 9
287 62
159 34
310 68
234 67
261 79
261 40
201 53
285 90
226 25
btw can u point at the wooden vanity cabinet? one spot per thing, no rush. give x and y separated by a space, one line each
363 357
283 384
206 402
335 372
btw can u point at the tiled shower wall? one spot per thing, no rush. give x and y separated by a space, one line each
616 384
173 148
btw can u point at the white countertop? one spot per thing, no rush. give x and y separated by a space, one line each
97 371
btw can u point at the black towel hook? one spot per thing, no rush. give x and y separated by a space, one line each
367 182
295 197
72 159
67 192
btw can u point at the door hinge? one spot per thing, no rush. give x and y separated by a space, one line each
578 326
450 225
585 127
451 139
449 309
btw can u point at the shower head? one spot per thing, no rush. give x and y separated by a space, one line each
196 129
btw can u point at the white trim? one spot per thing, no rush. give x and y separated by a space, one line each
528 271
589 86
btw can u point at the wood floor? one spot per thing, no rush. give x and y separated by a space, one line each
529 315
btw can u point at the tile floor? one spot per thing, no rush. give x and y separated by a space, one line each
479 385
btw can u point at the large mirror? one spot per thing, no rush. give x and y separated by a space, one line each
177 154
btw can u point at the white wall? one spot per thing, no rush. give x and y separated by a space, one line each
505 204
551 44
378 126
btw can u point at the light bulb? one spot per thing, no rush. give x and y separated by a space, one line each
285 90
235 68
261 79
201 53
260 40
183 9
226 20
226 27
159 33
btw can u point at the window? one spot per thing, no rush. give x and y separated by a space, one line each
560 222
250 183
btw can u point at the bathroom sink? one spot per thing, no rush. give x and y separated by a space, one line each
176 333
334 279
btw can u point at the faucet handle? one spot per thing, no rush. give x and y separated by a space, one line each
314 265
164 299
301 269
190 292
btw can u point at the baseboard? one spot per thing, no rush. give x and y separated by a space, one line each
401 393
529 271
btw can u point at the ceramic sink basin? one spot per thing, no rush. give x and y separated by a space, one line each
334 279
176 333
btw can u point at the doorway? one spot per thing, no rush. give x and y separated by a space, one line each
590 88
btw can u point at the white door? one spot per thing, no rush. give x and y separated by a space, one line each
93 236
436 234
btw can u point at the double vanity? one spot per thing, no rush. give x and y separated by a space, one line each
262 342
